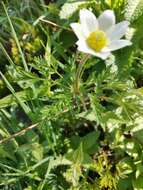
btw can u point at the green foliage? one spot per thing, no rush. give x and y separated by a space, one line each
133 9
51 137
69 8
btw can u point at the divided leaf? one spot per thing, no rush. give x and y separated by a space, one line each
133 9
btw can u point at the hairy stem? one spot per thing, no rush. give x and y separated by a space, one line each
79 74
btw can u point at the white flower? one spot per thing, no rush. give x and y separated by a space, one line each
100 36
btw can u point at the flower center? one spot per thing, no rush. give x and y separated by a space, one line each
97 40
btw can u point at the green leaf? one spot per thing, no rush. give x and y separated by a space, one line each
16 38
11 100
132 148
75 141
125 184
9 86
67 38
37 151
28 188
138 130
139 136
138 183
87 159
90 140
88 115
139 170
78 154
6 154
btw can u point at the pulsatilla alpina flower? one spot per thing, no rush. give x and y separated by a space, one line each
99 36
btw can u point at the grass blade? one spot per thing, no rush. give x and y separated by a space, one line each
16 39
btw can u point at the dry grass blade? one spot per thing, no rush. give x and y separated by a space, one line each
20 133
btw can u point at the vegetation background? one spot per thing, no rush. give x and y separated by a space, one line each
50 137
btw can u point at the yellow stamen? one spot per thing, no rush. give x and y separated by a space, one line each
97 40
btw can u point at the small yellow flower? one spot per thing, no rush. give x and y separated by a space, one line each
99 36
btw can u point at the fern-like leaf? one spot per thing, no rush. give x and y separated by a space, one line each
133 9
68 9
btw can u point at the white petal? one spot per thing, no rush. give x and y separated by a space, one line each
106 20
117 30
114 45
88 21
103 55
83 47
77 30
